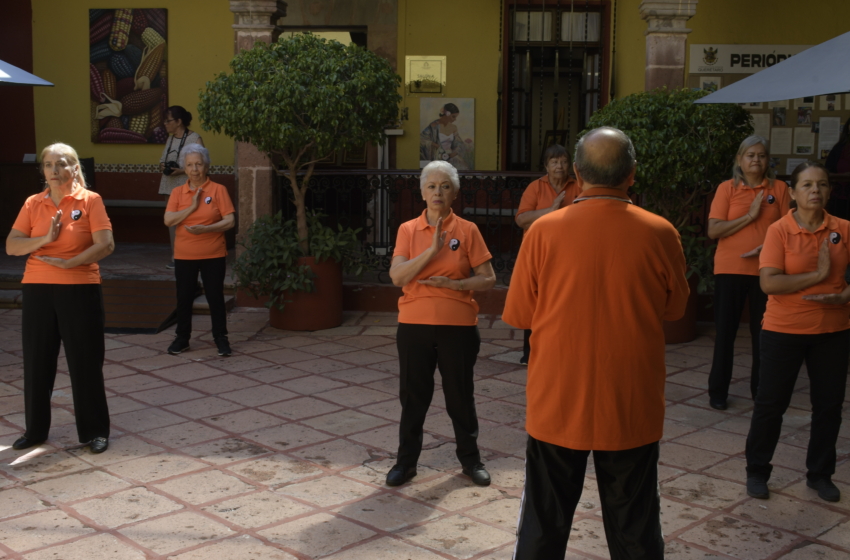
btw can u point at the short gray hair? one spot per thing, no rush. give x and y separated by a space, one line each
612 170
442 167
749 142
193 149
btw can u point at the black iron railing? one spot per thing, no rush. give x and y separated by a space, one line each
379 201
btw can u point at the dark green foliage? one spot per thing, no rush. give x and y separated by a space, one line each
684 150
268 265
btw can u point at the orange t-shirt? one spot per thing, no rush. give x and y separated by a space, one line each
83 213
540 194
463 251
214 205
730 203
594 283
794 250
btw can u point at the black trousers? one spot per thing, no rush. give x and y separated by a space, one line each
526 344
421 348
628 491
782 354
730 293
212 274
73 315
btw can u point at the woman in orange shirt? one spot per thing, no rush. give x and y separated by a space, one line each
803 262
556 190
439 260
742 210
202 210
65 231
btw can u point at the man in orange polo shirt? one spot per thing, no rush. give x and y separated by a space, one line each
594 282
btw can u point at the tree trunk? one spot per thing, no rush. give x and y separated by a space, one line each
298 196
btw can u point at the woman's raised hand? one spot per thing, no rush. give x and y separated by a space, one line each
53 230
823 261
439 238
755 206
196 199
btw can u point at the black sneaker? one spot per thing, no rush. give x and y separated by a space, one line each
826 489
223 346
170 266
179 345
523 360
757 488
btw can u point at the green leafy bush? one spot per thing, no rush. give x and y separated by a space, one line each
299 100
684 150
268 264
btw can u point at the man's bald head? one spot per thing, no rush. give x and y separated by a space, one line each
605 157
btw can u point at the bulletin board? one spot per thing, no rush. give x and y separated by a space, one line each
798 129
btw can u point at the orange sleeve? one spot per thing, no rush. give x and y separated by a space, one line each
23 223
225 205
478 253
773 251
402 243
720 204
172 200
98 219
678 289
529 198
522 294
785 197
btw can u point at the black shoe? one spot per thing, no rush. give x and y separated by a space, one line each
400 474
524 360
170 266
717 404
478 474
98 445
826 489
179 345
757 488
24 442
223 346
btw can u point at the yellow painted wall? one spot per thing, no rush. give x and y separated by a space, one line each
756 22
200 45
466 32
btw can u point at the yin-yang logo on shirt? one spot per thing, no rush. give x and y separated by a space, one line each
771 199
75 214
208 199
454 244
835 238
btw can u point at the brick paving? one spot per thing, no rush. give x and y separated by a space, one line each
280 452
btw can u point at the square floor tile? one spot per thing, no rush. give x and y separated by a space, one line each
345 422
78 485
175 532
450 492
388 512
228 450
40 529
327 491
156 467
317 535
204 487
237 548
275 470
738 538
258 395
303 407
335 454
459 536
98 547
257 509
244 421
129 506
181 435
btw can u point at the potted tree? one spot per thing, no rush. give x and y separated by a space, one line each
684 151
299 100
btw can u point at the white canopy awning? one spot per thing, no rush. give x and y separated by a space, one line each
14 76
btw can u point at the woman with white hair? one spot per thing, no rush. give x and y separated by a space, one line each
65 231
742 210
439 260
203 211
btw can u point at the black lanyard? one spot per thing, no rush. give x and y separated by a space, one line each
179 148
602 196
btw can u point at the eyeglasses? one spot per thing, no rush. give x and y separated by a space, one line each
169 120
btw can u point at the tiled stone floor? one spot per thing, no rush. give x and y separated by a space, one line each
280 452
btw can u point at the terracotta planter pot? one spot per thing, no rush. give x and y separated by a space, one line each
684 329
313 311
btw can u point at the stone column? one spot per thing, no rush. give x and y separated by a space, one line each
254 20
666 41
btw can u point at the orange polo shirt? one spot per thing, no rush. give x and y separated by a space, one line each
594 283
83 213
214 205
730 203
794 250
463 251
541 194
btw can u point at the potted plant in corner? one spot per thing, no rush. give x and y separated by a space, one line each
684 150
299 100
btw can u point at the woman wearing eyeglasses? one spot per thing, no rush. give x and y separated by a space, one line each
177 121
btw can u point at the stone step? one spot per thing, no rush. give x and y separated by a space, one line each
201 307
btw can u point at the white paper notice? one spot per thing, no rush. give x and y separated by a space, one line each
830 130
804 141
780 140
792 164
761 124
772 104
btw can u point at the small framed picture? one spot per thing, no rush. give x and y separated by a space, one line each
355 156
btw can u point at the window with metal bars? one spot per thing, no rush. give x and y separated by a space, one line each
555 75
